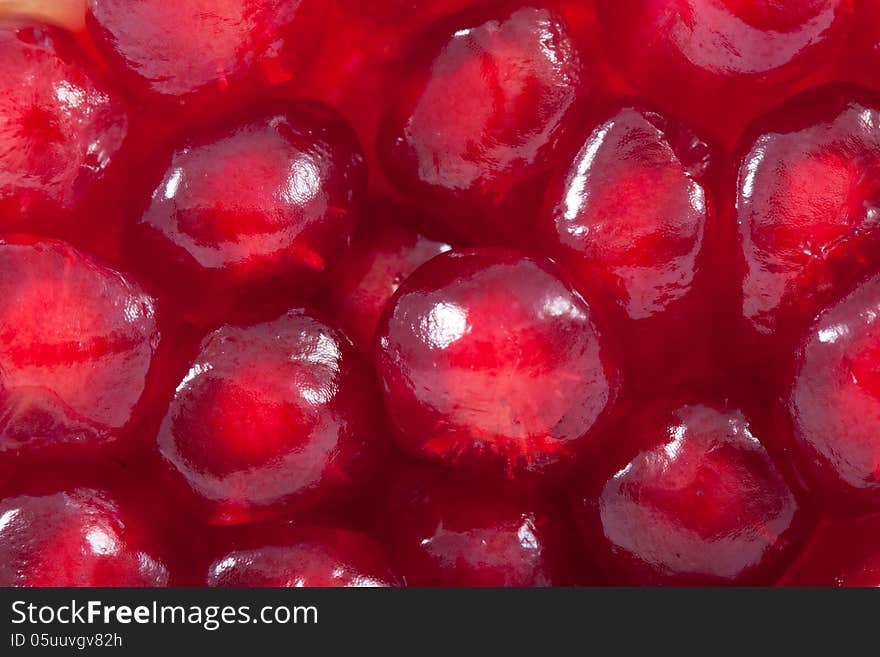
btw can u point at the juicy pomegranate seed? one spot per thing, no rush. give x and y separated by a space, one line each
60 133
448 531
807 208
72 538
480 117
271 418
628 218
492 362
699 503
303 557
76 345
836 396
721 63
262 207
206 54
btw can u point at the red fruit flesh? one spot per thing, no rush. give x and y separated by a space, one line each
835 400
60 133
363 283
76 345
628 219
807 212
841 552
492 362
303 557
263 207
205 53
272 418
448 531
721 63
700 503
479 118
74 538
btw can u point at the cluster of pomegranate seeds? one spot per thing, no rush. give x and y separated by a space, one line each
452 293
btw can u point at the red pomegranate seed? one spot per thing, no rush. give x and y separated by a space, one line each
76 345
272 418
261 208
493 362
696 500
721 63
806 209
364 281
72 538
61 130
629 218
482 112
836 397
303 557
205 54
448 531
